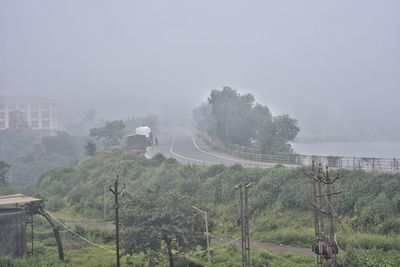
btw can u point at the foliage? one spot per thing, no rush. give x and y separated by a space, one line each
31 155
90 148
238 120
61 144
279 201
153 218
111 133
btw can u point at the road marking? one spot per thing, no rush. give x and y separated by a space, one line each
243 161
212 154
188 158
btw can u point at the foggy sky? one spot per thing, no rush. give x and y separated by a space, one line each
333 65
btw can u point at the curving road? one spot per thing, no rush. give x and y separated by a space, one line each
181 143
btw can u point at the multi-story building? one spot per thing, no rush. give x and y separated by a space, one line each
41 114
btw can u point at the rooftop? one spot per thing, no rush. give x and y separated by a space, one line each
17 199
18 99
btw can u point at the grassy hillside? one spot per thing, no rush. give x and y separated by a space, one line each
368 207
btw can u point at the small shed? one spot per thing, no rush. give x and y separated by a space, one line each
13 225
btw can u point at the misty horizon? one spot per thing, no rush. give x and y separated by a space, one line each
333 66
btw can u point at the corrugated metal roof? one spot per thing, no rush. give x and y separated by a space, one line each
17 199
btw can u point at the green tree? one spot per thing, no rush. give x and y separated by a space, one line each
155 220
231 117
237 119
90 148
274 136
61 143
111 133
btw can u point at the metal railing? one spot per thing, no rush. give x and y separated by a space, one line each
352 163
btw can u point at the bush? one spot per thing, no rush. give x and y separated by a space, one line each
390 226
55 204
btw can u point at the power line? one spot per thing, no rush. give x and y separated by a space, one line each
78 235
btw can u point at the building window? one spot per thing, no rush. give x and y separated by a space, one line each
2 125
34 124
45 124
34 115
23 106
45 114
11 106
45 106
2 115
2 106
34 106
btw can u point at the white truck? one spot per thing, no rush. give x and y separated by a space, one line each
146 131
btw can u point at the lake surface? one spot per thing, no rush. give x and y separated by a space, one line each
385 149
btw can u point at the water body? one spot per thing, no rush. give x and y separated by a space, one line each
384 149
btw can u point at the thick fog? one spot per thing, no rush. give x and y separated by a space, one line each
333 65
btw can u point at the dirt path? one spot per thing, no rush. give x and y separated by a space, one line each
266 245
96 224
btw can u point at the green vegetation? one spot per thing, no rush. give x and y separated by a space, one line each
279 201
31 155
237 119
279 206
111 134
155 220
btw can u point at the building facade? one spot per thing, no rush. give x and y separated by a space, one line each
41 114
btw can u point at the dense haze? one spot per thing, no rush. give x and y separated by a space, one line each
333 65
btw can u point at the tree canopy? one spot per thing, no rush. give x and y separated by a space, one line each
154 220
238 119
111 133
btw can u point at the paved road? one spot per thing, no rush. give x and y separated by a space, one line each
183 145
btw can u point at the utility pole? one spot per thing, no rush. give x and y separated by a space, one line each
116 207
244 222
204 214
324 245
31 234
105 203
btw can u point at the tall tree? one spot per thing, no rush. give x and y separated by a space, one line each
231 117
237 119
154 220
274 136
90 148
111 133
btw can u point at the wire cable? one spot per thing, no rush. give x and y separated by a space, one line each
78 235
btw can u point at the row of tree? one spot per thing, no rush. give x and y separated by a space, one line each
238 119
